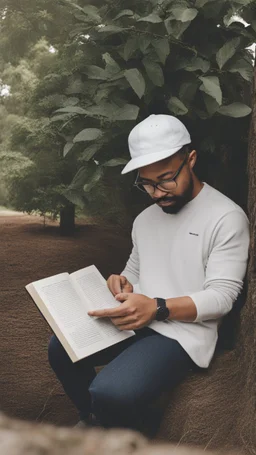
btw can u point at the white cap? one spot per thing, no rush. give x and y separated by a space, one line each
154 139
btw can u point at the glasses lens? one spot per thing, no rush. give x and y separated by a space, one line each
148 188
167 186
141 188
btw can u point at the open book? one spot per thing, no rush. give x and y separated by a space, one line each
64 301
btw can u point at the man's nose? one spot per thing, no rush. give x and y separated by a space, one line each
159 193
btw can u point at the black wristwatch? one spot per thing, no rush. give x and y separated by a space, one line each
162 312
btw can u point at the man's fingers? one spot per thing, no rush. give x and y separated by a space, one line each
120 321
109 312
116 284
122 296
123 280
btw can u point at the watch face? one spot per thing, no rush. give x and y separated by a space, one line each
162 313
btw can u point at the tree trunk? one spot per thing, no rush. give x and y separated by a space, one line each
216 408
67 220
248 328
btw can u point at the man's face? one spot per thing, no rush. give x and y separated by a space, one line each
172 201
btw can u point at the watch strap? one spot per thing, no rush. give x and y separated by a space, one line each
162 312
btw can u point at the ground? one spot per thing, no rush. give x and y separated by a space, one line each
29 252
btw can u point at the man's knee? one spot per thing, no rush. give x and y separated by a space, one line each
110 395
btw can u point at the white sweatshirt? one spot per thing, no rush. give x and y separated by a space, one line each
201 252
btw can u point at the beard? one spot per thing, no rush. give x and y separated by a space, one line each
179 201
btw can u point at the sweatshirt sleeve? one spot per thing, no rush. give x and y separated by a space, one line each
132 268
226 267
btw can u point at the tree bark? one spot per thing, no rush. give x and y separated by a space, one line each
67 220
247 343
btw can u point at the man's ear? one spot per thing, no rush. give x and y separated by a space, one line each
192 159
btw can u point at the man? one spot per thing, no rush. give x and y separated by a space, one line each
186 269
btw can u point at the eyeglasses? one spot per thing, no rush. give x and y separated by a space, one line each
164 185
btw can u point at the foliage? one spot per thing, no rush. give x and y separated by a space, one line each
40 186
182 57
114 64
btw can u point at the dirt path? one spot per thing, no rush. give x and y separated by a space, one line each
7 212
28 388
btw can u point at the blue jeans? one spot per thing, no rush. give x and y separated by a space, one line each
138 370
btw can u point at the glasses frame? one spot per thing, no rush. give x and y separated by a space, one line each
156 185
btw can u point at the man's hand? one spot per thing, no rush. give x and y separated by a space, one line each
135 312
118 283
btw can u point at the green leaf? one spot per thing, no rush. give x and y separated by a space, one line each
93 180
95 72
162 48
92 12
198 63
127 112
154 72
144 42
176 106
72 110
176 28
243 68
211 86
90 151
112 69
153 18
102 94
67 148
136 81
74 5
110 63
184 14
130 47
235 110
227 51
79 179
102 110
88 134
111 29
74 196
125 12
211 104
115 162
112 112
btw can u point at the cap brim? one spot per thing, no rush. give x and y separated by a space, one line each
145 160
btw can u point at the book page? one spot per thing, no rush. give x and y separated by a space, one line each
66 308
94 288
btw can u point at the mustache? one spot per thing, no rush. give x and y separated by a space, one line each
165 199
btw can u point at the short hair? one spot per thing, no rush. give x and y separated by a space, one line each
185 150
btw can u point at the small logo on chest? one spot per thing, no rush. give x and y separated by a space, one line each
193 233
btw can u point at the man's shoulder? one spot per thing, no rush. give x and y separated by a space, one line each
148 214
218 204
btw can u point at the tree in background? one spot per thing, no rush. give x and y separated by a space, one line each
33 171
